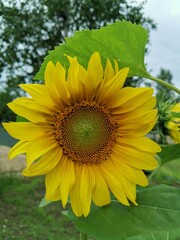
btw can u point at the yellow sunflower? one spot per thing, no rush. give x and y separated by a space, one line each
86 133
174 124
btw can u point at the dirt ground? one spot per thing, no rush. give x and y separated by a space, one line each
6 165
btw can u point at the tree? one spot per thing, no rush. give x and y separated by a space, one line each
29 28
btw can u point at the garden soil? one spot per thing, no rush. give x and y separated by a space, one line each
15 165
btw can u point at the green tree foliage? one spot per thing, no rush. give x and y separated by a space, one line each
4 114
29 28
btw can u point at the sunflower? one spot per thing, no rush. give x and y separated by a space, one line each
86 133
173 125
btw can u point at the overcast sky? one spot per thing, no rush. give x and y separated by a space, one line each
165 41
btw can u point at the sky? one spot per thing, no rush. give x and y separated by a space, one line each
165 41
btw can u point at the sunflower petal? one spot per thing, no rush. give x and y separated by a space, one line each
112 179
86 187
132 174
94 75
33 131
39 147
75 193
142 144
113 86
68 180
100 195
109 71
47 162
49 76
129 99
29 109
19 148
135 158
43 96
55 177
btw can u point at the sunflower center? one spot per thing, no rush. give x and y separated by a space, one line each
86 132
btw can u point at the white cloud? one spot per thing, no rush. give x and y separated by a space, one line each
165 42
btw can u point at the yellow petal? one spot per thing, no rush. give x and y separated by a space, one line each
47 162
68 180
116 66
135 158
100 195
113 86
143 118
126 186
129 99
43 96
112 179
74 84
139 111
61 73
75 193
54 178
39 147
94 75
129 189
109 71
56 195
142 144
94 70
176 108
25 130
49 76
134 175
55 79
18 148
136 130
61 83
29 109
87 185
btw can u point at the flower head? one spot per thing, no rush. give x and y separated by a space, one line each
173 125
86 133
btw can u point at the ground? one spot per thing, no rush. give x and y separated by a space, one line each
20 216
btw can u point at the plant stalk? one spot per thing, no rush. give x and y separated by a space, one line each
165 84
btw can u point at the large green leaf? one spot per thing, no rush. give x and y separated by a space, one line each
169 174
158 212
165 235
169 153
123 41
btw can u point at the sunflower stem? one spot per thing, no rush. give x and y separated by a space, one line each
83 236
165 84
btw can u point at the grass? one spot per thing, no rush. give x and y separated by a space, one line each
20 216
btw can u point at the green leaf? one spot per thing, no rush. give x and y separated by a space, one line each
167 174
158 212
123 41
169 153
21 119
44 202
166 235
175 115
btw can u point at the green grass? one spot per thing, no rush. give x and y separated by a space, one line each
22 219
